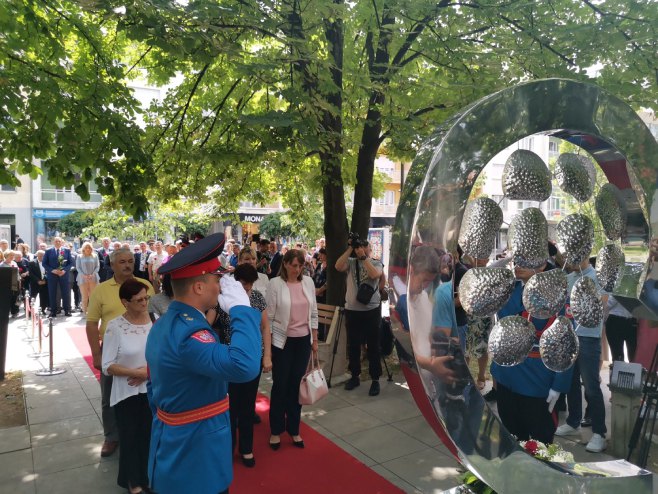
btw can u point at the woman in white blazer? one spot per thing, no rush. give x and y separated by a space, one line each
293 316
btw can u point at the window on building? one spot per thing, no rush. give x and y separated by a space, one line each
553 146
7 188
500 200
388 199
50 192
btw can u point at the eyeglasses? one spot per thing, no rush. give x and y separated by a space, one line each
141 299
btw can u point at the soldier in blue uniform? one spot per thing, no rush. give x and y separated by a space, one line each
189 373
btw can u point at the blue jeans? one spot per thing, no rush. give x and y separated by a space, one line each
587 368
462 331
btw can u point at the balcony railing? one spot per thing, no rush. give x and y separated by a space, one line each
66 195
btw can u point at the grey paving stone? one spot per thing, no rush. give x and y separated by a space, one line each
59 411
97 478
51 396
418 428
65 430
384 443
395 480
347 420
14 438
66 455
426 470
17 468
394 410
359 455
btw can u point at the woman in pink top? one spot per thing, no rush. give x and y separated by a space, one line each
293 316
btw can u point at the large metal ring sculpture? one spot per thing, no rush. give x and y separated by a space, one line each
430 213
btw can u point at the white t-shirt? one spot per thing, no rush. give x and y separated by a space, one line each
124 344
156 259
261 284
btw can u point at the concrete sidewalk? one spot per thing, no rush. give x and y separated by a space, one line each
59 450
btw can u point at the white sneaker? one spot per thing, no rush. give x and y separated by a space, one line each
567 430
596 444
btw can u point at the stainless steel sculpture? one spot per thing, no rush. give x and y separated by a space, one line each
545 293
482 220
511 339
586 305
609 263
528 238
575 175
611 211
558 345
433 201
526 177
575 237
484 291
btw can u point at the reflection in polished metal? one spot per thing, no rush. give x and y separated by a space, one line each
611 211
529 238
575 237
484 291
586 304
511 340
435 194
526 177
558 345
482 220
575 174
545 293
609 262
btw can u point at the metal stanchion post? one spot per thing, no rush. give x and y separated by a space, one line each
51 371
40 353
34 316
29 314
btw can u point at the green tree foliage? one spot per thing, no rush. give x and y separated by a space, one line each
74 224
291 97
273 226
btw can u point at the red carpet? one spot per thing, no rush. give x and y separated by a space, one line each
320 468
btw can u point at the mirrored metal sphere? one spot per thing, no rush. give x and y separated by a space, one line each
484 291
482 220
586 304
575 237
511 340
559 345
612 211
609 262
576 175
528 238
545 294
526 177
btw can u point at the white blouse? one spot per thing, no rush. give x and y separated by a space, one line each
124 344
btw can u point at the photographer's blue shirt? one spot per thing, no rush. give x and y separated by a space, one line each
443 314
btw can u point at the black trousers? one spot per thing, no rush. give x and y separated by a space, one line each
242 400
620 330
363 327
134 419
288 367
61 282
526 416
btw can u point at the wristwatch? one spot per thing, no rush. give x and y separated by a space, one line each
363 258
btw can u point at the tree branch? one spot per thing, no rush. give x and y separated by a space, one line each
187 103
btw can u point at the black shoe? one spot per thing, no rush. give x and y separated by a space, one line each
248 462
374 388
257 419
352 383
67 314
586 422
491 395
298 444
276 445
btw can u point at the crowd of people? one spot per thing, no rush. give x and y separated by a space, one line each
529 395
122 290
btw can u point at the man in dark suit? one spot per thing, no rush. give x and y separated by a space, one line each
57 262
38 284
104 260
141 269
275 259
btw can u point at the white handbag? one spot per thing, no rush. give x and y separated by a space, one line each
313 386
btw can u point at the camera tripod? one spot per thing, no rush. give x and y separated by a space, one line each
339 324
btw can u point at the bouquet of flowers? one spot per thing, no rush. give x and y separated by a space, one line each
547 452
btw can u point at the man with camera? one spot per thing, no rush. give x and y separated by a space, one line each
362 310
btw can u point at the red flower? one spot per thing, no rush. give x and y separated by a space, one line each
531 447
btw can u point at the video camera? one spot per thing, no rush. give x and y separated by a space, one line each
355 240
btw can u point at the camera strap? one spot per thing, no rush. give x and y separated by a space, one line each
358 276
